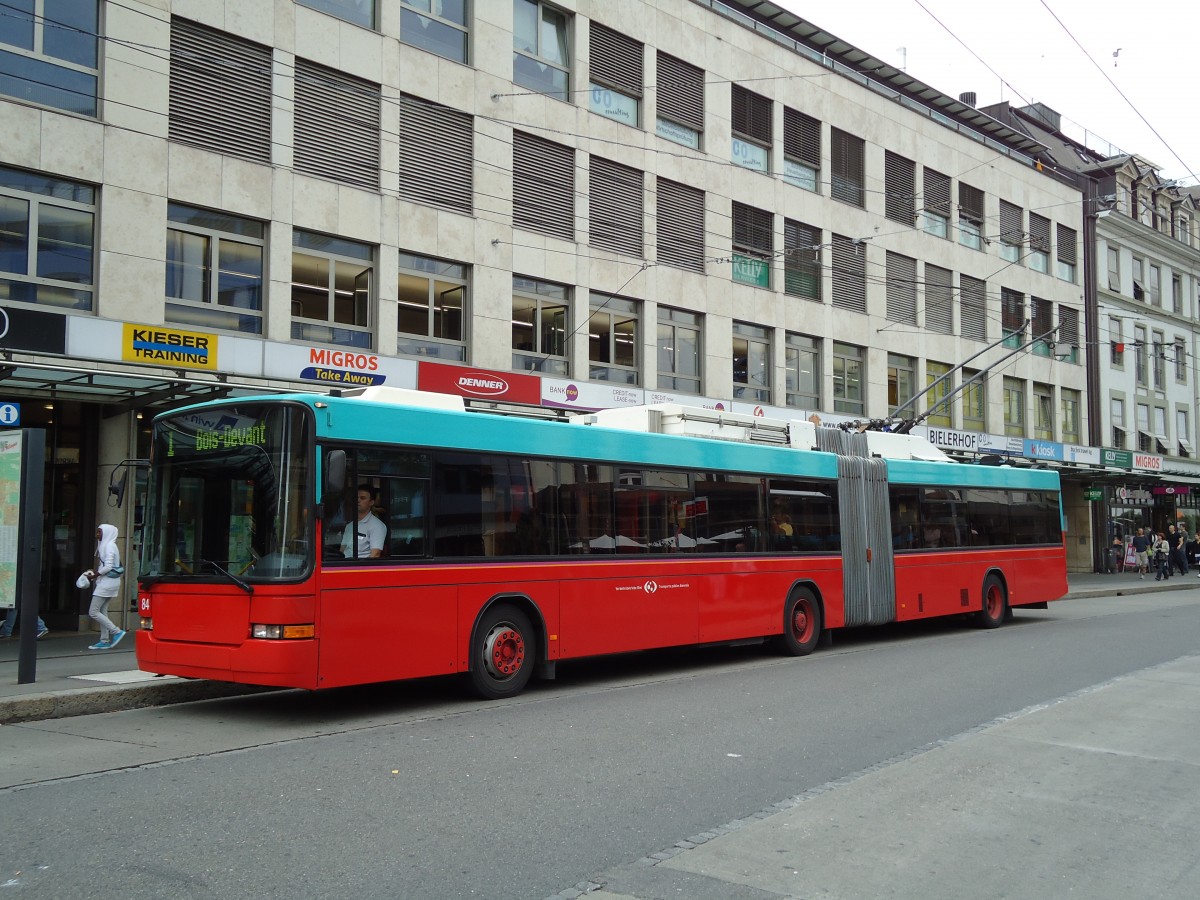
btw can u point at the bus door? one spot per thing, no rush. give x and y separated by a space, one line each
868 573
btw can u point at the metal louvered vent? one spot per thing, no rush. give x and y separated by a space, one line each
680 92
617 203
900 201
1039 233
1011 231
970 203
849 275
939 300
616 60
937 193
1066 244
680 225
751 114
436 154
753 229
543 186
972 307
220 95
846 167
901 289
802 137
337 125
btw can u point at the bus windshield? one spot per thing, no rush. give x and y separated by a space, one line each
229 495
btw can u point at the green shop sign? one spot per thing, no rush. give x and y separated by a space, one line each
1120 459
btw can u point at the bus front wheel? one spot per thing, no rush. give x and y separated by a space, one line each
801 623
503 654
995 604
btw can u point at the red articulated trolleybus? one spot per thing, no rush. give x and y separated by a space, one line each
318 541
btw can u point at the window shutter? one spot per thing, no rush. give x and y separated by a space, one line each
901 289
436 154
1068 325
616 204
849 275
336 126
1066 244
846 152
680 92
972 307
937 193
751 115
753 229
1012 310
939 300
970 203
543 186
616 60
802 260
900 202
1041 318
1011 230
1039 233
680 225
220 94
802 137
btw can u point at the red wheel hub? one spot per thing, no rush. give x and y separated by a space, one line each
801 622
504 651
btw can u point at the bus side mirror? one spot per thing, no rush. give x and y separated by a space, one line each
335 472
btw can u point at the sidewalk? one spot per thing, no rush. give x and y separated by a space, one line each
72 680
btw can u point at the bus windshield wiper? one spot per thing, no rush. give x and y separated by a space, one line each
239 582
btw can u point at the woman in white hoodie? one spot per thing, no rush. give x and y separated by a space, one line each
105 586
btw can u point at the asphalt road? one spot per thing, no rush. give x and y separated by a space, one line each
413 791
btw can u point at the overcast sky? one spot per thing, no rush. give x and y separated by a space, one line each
1026 56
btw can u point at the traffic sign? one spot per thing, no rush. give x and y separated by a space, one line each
10 414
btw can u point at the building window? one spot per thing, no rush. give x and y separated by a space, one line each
214 270
613 339
1180 360
970 216
436 159
849 379
1183 433
358 12
432 298
936 211
802 364
753 245
939 300
1114 269
1176 295
1014 407
1043 412
1066 338
616 88
846 167
937 399
48 53
972 308
1117 415
1039 243
1012 231
1066 253
543 186
1139 279
541 48
1012 317
849 274
47 240
899 188
616 211
1116 336
678 350
751 363
801 260
1155 292
901 289
1160 361
902 380
208 108
1145 440
1139 354
1162 444
974 400
801 150
1070 415
680 101
329 103
680 210
752 129
331 290
540 326
1041 326
439 26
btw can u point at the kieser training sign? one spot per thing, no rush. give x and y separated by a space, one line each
169 347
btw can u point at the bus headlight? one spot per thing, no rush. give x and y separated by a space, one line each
282 632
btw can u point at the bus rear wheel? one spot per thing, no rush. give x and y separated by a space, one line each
801 623
995 604
503 654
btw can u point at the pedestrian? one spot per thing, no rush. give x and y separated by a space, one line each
10 621
1116 555
1162 557
106 584
1141 547
1179 549
1192 550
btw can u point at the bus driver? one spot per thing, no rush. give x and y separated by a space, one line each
370 531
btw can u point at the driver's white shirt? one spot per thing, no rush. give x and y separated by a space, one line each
371 534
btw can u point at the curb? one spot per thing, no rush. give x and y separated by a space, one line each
114 698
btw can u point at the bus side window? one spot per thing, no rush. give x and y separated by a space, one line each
406 516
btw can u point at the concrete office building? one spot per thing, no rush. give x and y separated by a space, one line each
600 203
